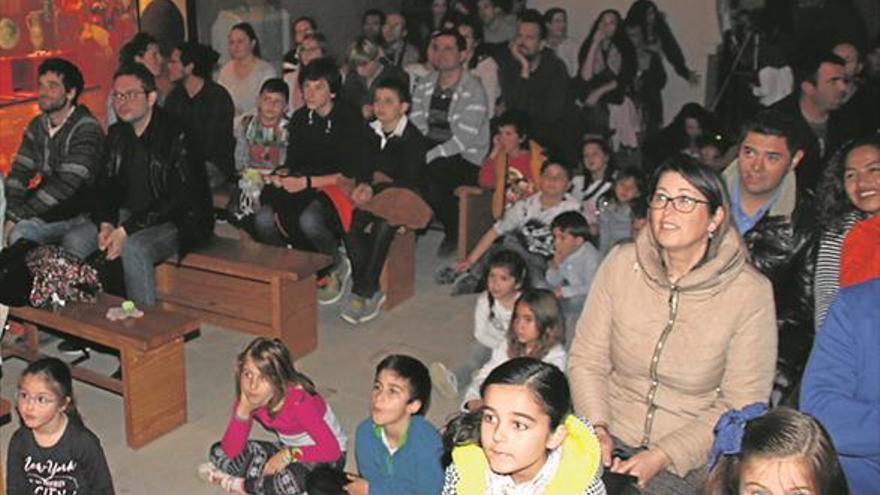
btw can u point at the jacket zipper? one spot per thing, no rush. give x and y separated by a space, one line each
655 360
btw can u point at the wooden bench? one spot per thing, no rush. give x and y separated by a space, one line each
256 288
398 279
153 383
474 216
5 410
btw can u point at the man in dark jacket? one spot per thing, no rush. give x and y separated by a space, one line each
153 199
778 227
534 80
50 185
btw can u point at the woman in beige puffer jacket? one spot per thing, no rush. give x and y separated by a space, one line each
678 328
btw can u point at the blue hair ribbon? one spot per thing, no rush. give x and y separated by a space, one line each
729 431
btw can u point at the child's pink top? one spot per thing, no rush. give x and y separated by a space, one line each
301 413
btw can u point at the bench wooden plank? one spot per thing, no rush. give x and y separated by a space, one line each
398 275
153 384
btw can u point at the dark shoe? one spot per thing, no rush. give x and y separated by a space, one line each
117 374
448 247
73 347
445 275
466 284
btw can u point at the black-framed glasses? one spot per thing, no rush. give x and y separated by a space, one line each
682 204
128 95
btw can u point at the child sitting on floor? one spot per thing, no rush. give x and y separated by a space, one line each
285 401
572 267
615 215
398 451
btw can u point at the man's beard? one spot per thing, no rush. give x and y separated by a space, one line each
52 106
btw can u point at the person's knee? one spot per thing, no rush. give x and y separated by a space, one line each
25 229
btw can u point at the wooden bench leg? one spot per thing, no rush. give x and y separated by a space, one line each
154 391
295 318
398 279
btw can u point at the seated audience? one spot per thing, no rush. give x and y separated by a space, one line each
366 67
449 108
372 23
153 199
556 21
648 81
777 222
478 61
204 108
523 395
678 328
513 167
777 452
505 280
312 47
680 136
614 210
498 26
387 200
261 139
524 228
537 330
596 179
841 385
849 193
397 449
300 28
534 81
326 145
607 67
50 187
572 268
270 390
142 49
398 51
861 99
658 35
245 72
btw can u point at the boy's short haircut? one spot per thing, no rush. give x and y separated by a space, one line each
553 161
140 72
572 222
373 13
395 84
413 371
453 32
276 85
322 68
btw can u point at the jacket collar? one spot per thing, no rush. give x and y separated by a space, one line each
397 132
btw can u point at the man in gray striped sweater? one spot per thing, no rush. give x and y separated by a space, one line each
49 187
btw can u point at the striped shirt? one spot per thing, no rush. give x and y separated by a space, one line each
826 280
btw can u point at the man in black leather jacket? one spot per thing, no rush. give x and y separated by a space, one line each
153 200
778 226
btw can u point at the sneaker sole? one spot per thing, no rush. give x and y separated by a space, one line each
371 316
327 302
350 319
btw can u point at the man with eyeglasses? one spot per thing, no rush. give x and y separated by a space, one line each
50 185
153 199
776 220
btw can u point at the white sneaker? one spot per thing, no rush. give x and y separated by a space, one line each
444 380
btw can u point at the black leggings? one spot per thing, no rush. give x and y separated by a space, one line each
249 465
368 242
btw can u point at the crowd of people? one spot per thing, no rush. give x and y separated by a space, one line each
645 293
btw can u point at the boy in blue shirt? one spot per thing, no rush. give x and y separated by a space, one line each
397 450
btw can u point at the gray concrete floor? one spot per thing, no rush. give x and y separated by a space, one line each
430 326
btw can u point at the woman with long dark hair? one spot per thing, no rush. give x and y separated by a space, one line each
657 34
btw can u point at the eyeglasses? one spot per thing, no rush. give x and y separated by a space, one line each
128 95
682 204
40 400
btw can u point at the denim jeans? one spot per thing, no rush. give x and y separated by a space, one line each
140 253
39 231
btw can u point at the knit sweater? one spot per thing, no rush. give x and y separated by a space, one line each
468 118
413 469
51 177
711 337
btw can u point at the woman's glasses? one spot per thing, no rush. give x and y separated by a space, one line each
682 204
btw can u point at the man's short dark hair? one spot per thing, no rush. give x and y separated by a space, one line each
807 68
532 16
322 68
203 57
70 75
137 46
373 13
776 123
310 20
572 222
413 371
394 83
459 39
148 82
276 85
